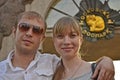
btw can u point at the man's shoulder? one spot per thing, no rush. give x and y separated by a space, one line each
2 62
48 57
2 66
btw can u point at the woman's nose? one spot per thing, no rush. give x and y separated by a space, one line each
66 40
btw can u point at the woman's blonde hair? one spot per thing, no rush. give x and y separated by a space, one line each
66 22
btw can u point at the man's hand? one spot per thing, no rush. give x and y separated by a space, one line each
104 69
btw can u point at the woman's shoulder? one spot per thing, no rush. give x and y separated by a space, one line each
86 66
84 72
86 76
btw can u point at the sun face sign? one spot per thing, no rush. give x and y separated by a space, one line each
98 19
95 23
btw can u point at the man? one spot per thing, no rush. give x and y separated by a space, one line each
26 63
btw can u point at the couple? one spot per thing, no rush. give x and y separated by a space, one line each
26 63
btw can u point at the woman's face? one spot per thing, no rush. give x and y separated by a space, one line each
67 43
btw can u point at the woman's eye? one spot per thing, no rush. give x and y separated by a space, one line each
60 36
73 35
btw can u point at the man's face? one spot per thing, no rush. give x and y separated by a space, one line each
28 34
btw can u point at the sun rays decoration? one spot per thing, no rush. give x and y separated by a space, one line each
97 19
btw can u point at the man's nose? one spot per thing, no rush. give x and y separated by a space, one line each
29 32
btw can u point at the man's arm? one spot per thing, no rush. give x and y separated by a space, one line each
104 69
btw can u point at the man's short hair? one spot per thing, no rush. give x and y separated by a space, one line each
29 15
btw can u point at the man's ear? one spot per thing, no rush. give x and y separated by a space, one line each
43 38
14 30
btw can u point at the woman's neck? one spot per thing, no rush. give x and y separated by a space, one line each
71 67
70 64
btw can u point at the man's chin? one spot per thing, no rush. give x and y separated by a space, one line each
27 48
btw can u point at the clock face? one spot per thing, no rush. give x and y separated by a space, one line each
98 18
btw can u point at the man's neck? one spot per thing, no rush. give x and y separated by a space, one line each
22 60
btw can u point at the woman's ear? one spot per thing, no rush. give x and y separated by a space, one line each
81 40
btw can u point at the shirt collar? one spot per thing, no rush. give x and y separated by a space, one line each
10 56
43 68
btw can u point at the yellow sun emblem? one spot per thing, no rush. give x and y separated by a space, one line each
96 23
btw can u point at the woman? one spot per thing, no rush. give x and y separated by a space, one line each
67 38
